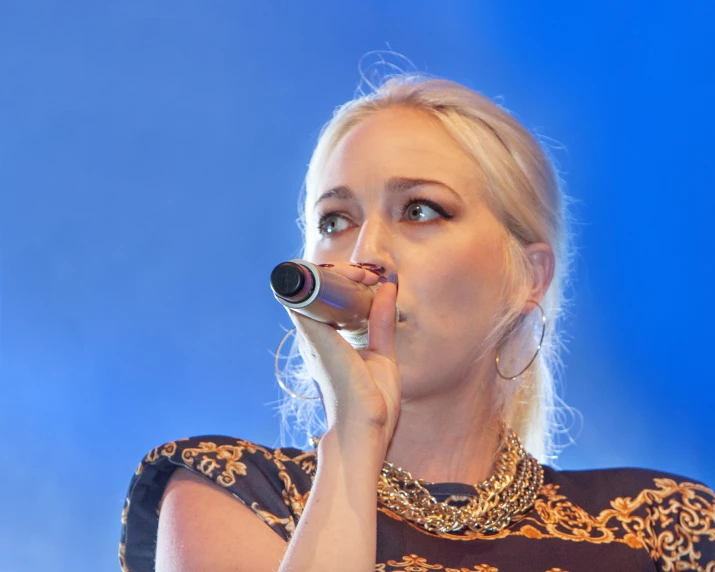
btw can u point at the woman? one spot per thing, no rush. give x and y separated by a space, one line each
426 184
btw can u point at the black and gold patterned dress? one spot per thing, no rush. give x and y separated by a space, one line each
583 521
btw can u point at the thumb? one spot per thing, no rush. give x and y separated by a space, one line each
381 322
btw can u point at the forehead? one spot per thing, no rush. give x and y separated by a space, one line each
397 142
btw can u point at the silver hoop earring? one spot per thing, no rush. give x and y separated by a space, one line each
543 332
284 387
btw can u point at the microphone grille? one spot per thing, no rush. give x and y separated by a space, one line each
287 279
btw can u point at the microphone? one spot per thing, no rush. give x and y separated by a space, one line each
326 296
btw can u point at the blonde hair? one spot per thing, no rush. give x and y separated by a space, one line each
526 196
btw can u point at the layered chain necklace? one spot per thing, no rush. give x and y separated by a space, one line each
508 493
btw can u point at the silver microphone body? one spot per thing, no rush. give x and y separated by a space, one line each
326 296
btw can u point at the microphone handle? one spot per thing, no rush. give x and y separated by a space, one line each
329 297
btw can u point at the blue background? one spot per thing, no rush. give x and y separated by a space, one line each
151 155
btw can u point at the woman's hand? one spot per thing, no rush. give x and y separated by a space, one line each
361 388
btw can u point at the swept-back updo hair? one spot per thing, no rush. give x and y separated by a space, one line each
524 193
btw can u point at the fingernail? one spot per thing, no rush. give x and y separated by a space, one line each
326 265
382 279
393 278
374 267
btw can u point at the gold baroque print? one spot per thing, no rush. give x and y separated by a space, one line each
125 511
272 520
682 521
672 518
415 563
306 460
279 455
291 497
222 463
166 450
223 458
123 558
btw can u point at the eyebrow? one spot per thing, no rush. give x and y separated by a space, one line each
394 185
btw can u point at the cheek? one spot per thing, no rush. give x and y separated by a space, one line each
466 305
326 250
310 250
470 277
457 300
455 314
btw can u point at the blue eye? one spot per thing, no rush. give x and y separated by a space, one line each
326 224
413 208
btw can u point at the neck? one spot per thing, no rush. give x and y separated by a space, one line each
447 437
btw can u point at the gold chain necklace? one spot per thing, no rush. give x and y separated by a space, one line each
508 493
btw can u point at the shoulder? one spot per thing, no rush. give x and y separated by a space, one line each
599 485
224 459
671 515
273 482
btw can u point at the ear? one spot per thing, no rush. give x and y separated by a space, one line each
541 257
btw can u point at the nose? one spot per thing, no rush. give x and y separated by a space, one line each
374 247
